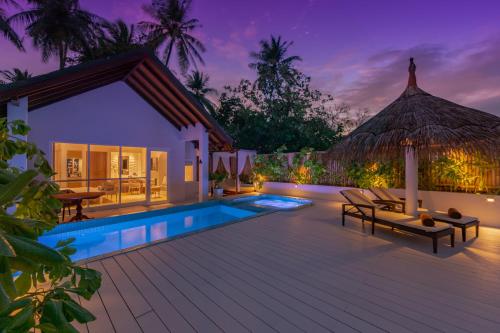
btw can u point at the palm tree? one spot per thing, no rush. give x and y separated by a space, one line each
121 37
14 75
273 65
197 83
116 38
58 26
5 28
172 28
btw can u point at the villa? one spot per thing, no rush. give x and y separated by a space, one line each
124 126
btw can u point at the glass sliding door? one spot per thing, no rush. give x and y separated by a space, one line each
121 173
158 176
104 174
133 174
70 164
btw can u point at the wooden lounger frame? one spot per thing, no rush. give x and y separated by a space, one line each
462 226
348 210
401 201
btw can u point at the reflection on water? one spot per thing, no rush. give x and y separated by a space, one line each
188 222
278 203
158 231
95 241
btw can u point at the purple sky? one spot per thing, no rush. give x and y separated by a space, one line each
356 50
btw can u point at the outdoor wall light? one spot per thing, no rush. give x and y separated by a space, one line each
490 199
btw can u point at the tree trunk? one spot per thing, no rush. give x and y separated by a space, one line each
62 55
169 53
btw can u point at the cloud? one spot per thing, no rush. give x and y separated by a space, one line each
235 46
230 49
469 75
250 31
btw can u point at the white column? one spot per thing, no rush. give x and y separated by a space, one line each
238 171
18 110
199 133
411 180
203 168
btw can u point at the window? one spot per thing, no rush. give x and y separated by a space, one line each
188 172
118 172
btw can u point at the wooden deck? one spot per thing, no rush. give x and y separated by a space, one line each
301 271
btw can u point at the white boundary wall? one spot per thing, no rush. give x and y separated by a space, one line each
468 204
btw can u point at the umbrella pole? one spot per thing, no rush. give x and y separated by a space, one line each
411 180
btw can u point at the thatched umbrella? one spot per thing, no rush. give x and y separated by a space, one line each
418 122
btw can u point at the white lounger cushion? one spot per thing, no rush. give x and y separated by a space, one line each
359 198
445 217
410 221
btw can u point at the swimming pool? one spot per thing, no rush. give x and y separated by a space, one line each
107 235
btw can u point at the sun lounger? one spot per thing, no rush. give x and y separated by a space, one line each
362 207
463 223
385 195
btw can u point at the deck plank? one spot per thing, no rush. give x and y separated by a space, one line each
390 319
235 310
397 299
102 324
259 310
116 307
338 308
134 299
196 318
301 271
167 313
208 306
454 300
151 323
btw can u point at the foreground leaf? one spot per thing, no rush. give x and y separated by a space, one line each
11 190
35 250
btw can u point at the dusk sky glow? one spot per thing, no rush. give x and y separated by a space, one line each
356 50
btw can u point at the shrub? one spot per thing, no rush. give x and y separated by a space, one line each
36 281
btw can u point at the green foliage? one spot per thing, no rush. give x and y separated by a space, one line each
36 281
58 26
373 174
6 29
458 173
306 168
218 177
270 167
14 75
246 179
197 83
114 38
279 108
173 29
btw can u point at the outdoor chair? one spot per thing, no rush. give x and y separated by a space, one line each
363 208
67 203
462 223
385 195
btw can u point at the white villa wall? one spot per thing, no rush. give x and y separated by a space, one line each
469 204
112 115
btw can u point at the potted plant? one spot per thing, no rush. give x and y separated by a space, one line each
217 178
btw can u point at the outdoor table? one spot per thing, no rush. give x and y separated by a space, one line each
77 198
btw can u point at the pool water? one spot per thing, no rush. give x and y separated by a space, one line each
102 236
272 201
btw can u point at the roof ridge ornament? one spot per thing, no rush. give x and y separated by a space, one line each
412 79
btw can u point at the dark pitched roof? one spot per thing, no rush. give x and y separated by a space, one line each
140 69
